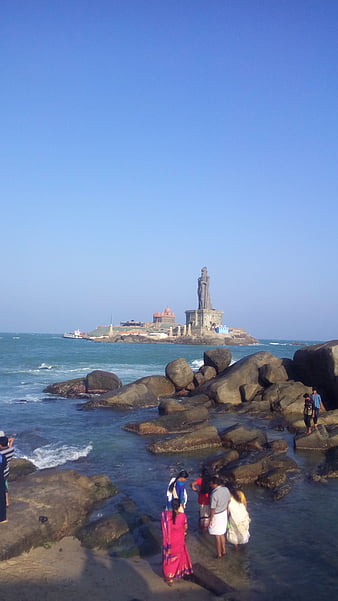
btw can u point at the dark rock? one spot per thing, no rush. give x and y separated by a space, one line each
272 479
98 382
102 533
208 580
179 373
70 389
219 358
316 441
329 468
221 460
278 446
317 365
20 468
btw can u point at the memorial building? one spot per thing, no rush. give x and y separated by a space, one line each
205 318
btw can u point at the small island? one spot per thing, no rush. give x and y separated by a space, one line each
203 325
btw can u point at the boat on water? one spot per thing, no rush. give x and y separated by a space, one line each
75 334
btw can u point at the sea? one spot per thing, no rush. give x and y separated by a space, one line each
292 552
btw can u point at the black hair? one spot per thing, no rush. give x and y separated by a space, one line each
182 474
175 507
205 485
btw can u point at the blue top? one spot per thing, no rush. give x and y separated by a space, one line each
316 400
180 493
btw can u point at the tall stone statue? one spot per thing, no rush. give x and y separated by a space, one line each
203 293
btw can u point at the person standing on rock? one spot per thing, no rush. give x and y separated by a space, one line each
308 412
176 490
7 449
219 502
3 466
317 405
176 562
202 486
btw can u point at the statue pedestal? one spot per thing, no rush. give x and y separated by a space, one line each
203 319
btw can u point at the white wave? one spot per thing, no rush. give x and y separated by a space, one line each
279 343
45 366
52 455
197 363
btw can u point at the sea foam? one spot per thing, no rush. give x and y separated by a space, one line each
52 455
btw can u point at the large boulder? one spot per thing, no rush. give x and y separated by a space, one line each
145 392
226 388
206 437
329 467
172 405
219 358
244 439
317 365
273 372
98 382
179 373
287 397
48 505
70 389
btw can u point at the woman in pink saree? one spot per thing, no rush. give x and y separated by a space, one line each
175 558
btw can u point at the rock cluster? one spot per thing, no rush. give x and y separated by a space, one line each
261 384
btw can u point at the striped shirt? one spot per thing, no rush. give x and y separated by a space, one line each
8 453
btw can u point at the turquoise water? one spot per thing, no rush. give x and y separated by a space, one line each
292 548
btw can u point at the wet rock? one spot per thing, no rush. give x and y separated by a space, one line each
281 491
102 533
206 437
168 406
316 441
272 479
277 446
181 420
71 389
222 460
98 382
219 358
19 468
208 580
317 365
329 467
179 373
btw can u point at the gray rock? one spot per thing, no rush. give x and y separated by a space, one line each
145 392
102 533
226 388
179 373
64 497
219 358
286 396
273 372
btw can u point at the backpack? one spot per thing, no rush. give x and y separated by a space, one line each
308 407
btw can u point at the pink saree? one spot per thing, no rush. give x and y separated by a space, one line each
175 558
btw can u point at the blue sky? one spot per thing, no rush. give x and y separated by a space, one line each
143 139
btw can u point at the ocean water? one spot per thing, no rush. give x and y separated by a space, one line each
292 550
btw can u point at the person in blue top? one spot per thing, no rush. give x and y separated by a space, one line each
317 405
176 490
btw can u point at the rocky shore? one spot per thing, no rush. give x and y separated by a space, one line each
186 405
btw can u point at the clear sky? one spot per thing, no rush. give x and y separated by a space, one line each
144 139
